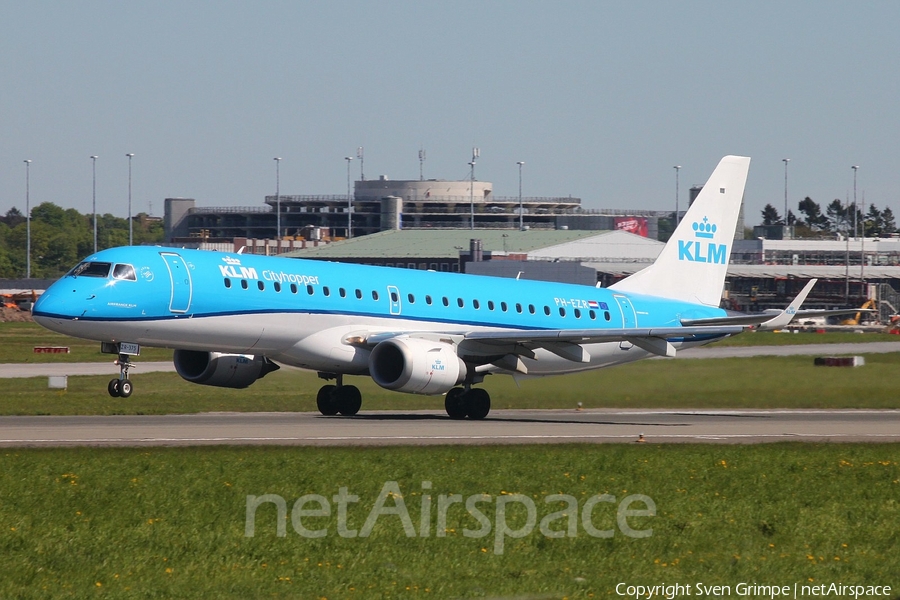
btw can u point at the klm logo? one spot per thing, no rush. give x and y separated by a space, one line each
700 250
244 273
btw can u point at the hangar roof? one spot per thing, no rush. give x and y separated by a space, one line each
442 243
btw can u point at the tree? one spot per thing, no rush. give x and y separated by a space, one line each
888 225
770 216
815 220
13 217
837 216
873 224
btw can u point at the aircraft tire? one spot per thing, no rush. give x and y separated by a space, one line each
325 400
478 403
113 388
348 400
455 403
125 388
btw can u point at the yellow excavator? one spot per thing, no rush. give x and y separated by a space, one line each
868 306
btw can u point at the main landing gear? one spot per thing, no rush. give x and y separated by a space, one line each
121 387
474 403
340 398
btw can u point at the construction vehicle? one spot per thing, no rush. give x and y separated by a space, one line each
867 307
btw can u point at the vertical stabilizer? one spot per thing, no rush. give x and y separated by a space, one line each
693 263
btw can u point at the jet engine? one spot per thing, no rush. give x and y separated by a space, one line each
416 366
222 370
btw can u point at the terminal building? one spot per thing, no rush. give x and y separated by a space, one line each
385 205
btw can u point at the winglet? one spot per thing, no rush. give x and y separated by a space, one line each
787 315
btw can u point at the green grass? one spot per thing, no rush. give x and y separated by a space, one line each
165 523
18 340
759 382
772 338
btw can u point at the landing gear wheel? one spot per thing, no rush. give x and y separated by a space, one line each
113 388
348 400
125 388
455 404
325 401
478 403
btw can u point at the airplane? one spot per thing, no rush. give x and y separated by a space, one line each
232 318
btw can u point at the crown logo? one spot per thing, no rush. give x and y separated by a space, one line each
232 261
704 229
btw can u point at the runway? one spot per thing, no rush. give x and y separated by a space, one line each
434 427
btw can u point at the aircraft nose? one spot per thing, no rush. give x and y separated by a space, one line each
59 302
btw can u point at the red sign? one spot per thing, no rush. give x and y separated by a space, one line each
636 225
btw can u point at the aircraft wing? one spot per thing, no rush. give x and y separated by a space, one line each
568 343
763 321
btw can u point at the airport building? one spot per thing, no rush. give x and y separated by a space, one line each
385 205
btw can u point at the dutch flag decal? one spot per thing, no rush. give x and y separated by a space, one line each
593 304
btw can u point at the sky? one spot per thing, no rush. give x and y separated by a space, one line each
599 99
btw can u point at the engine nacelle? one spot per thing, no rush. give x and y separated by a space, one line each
222 370
416 366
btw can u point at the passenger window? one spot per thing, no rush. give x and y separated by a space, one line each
503 306
460 302
490 305
476 304
411 298
562 311
605 314
446 301
124 272
374 295
260 285
244 283
227 283
428 300
326 291
395 297
310 290
577 313
546 310
342 292
518 308
293 288
359 294
531 308
592 314
277 286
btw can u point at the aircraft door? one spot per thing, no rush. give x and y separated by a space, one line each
394 297
180 277
629 318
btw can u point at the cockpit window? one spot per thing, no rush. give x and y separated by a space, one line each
91 269
124 272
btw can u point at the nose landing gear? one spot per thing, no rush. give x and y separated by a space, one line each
121 387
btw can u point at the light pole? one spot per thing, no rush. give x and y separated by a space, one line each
521 211
475 154
94 198
277 202
785 161
422 164
359 155
862 243
28 219
349 201
130 155
677 168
